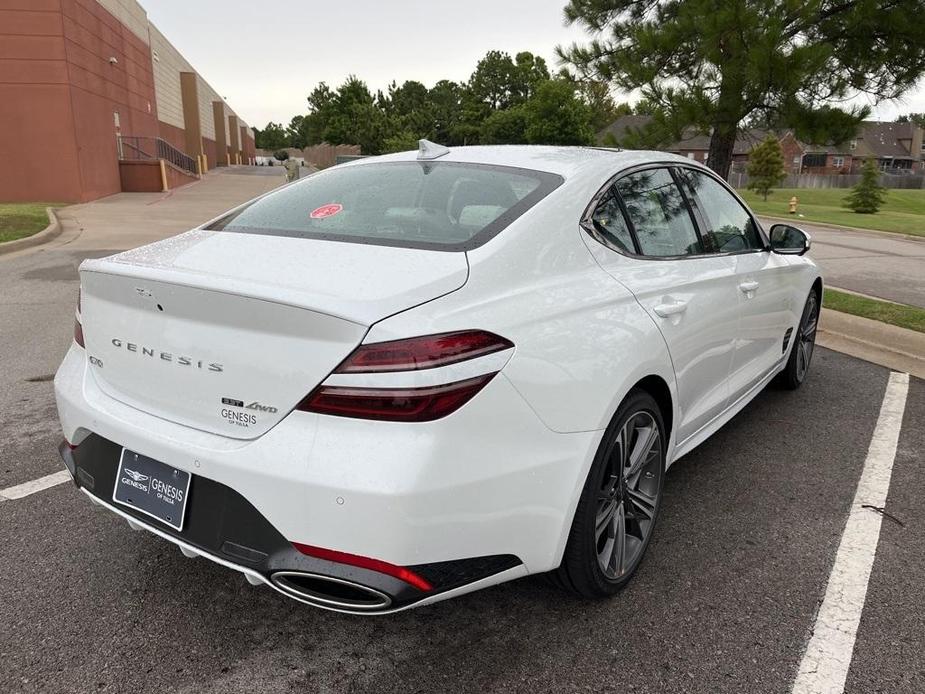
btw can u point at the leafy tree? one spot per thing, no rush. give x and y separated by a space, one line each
297 132
349 115
492 81
400 142
711 64
507 127
321 109
409 110
272 137
500 82
868 195
916 118
445 99
555 115
530 72
766 166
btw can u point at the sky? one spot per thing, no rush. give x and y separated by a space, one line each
265 57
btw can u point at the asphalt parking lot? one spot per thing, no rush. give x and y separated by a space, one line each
726 600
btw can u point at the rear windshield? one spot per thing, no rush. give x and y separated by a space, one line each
437 205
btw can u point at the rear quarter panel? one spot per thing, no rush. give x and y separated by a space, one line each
581 339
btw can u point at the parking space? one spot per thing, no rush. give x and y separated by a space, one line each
725 601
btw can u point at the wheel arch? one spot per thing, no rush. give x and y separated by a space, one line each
656 386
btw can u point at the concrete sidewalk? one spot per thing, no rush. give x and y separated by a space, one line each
128 220
888 345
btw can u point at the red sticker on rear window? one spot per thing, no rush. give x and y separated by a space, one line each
328 210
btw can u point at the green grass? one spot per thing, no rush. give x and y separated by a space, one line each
19 220
902 212
895 314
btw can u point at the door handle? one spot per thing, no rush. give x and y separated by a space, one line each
672 309
749 286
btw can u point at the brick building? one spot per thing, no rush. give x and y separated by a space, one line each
93 97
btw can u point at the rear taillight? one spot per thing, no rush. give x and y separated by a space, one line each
426 352
400 403
78 329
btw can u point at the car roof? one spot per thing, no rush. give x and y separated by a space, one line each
565 161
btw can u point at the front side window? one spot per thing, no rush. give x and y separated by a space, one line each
435 205
659 214
730 228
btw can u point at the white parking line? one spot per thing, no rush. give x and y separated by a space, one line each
27 488
825 664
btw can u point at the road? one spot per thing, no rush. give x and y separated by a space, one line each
888 266
724 602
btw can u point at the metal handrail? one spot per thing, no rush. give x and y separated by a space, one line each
132 147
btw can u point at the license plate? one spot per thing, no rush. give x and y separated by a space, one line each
150 486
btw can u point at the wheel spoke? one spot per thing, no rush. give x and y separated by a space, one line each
643 504
809 330
618 558
645 442
604 517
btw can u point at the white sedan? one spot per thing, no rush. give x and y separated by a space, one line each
413 376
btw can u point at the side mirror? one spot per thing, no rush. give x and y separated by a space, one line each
788 240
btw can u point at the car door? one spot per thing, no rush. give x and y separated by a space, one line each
648 241
764 281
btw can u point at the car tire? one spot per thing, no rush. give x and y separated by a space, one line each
804 342
620 499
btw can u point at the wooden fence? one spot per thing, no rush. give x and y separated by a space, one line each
916 181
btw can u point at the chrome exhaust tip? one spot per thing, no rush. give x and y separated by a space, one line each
330 592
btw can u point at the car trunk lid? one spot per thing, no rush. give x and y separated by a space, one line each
228 332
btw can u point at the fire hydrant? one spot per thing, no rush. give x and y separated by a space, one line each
793 204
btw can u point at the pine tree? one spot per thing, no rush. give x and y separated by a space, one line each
766 166
867 196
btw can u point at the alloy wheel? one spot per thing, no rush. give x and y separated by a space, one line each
628 496
807 337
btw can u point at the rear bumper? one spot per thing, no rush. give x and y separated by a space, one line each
224 527
484 495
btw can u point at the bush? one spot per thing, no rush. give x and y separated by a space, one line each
281 155
766 167
868 195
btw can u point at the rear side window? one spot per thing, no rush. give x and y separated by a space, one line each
436 205
659 214
609 222
730 227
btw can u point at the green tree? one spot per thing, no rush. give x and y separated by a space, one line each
408 110
507 127
400 142
766 166
321 109
349 115
555 115
298 132
272 137
868 195
917 118
445 99
500 82
712 64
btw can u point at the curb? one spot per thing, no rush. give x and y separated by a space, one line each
880 343
841 227
52 231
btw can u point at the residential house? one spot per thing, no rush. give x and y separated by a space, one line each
799 157
897 148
